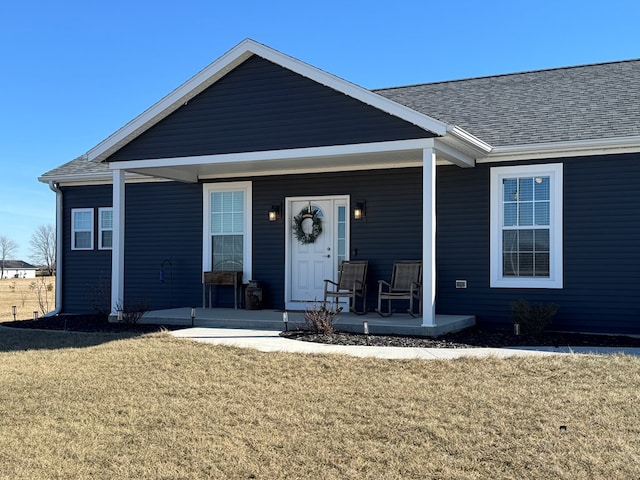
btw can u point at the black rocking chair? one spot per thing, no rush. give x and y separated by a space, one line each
352 283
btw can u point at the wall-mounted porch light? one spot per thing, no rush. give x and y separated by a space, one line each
274 213
360 210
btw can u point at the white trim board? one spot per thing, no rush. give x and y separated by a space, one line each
574 148
556 274
247 188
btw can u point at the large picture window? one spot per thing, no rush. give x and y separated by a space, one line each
227 211
82 229
526 226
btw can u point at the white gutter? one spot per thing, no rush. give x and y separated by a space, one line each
468 142
570 148
59 232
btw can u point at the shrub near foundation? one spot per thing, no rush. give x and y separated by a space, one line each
533 319
320 319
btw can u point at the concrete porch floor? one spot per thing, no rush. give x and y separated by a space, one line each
269 319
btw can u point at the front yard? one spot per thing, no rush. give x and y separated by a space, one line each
77 405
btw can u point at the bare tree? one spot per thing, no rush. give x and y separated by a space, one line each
43 247
7 248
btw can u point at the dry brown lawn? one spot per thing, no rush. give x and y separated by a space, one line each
22 292
104 406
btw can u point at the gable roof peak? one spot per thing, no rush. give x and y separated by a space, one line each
232 59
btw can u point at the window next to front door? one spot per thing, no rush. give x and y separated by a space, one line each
227 227
526 226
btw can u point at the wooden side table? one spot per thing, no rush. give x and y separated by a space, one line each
220 279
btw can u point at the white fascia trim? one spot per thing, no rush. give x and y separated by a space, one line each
575 148
294 153
169 103
228 62
459 136
350 89
99 179
453 155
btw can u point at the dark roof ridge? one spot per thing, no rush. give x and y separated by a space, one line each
524 72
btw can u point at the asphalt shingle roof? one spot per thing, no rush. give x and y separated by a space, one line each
78 167
571 103
586 102
17 264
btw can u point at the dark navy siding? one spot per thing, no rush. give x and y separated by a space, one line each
601 254
601 238
163 222
391 231
163 225
262 106
86 274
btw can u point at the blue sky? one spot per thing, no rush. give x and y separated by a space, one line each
73 72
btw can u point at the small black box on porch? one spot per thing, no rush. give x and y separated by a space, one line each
253 296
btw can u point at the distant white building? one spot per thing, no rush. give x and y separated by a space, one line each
18 269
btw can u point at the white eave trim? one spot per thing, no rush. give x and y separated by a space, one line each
228 62
480 147
293 153
98 179
575 148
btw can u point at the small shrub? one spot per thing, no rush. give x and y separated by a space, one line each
533 319
41 289
133 312
99 296
320 319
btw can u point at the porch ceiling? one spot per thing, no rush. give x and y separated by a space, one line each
314 160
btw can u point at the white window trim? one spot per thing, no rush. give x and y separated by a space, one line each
73 227
101 229
555 279
207 189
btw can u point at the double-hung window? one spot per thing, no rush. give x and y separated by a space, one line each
526 226
227 227
82 229
105 228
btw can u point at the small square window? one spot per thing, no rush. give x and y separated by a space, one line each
82 229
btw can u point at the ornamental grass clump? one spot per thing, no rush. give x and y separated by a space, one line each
320 319
533 319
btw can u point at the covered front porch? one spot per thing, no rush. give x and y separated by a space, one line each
397 324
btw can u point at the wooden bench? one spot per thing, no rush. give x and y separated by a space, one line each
222 278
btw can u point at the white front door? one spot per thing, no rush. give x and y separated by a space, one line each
313 262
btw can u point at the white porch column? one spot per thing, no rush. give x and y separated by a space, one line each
428 237
117 252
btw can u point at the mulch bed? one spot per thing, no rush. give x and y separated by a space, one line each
87 323
472 337
469 338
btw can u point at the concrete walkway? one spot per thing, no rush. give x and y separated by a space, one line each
271 341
